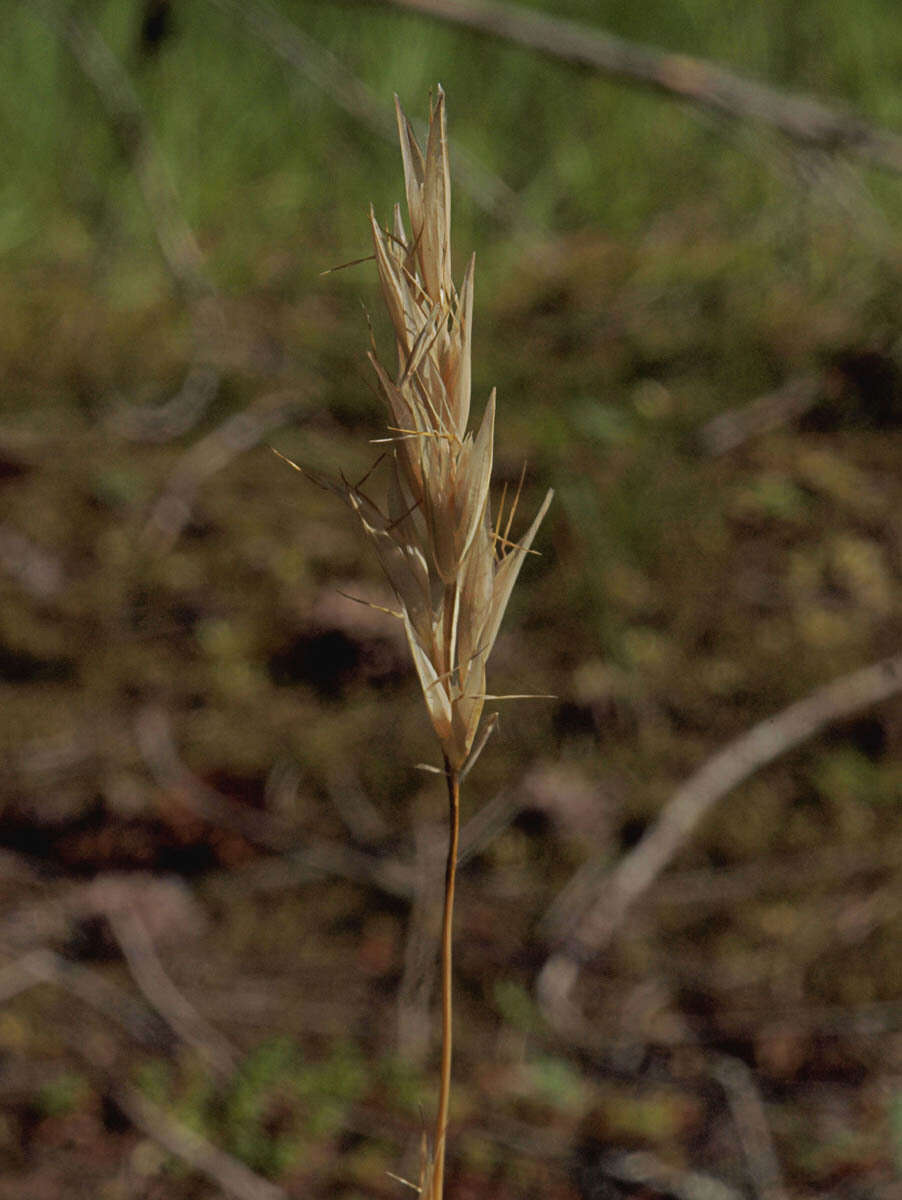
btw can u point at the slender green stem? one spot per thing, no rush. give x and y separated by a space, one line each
441 1124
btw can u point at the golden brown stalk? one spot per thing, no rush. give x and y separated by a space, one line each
441 1121
452 574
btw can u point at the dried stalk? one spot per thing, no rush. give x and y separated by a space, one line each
441 1124
801 119
452 572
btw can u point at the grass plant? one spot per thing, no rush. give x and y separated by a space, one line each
680 272
451 570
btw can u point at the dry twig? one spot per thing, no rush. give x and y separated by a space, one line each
593 906
42 965
201 1156
161 993
159 423
643 1170
747 1109
706 85
835 866
730 429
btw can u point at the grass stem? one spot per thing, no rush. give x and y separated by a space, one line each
441 1125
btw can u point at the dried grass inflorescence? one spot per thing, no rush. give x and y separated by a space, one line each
451 571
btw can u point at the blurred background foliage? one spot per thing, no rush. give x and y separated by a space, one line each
188 702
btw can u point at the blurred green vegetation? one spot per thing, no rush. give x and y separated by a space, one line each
265 161
275 1112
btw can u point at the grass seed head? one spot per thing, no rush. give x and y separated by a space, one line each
452 574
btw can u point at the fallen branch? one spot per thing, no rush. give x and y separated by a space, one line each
802 119
824 866
592 907
746 1106
159 423
641 1170
730 429
160 992
202 1156
644 1172
42 965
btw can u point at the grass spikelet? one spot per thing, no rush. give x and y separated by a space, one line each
451 570
452 573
